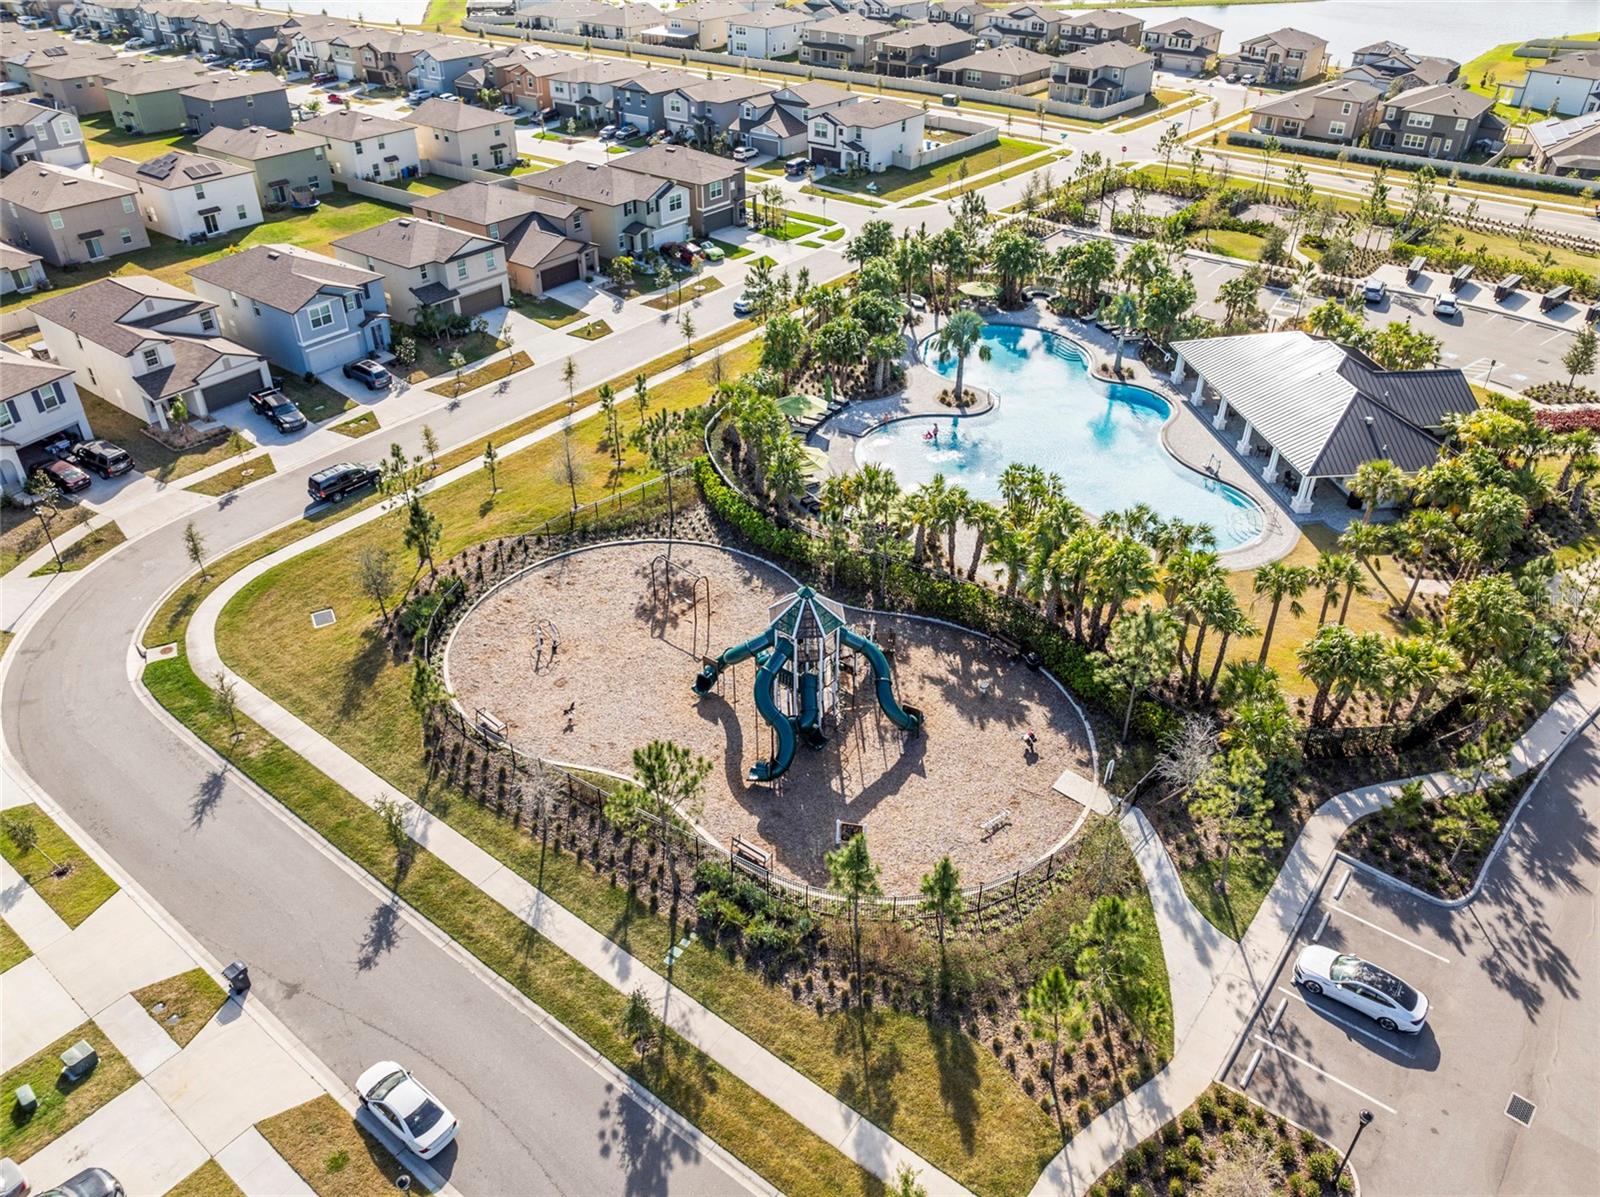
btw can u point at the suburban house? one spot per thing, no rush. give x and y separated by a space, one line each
1441 122
437 67
547 240
1102 81
699 26
969 15
768 33
68 219
24 51
39 407
1286 56
917 51
364 145
1183 45
630 213
428 265
306 44
230 30
289 167
1031 26
846 41
387 57
866 135
237 102
588 18
1566 85
1387 65
304 312
21 271
777 124
1319 410
1343 111
189 197
587 92
1004 68
641 101
33 133
894 11
1562 147
463 136
75 83
710 106
142 345
1098 26
525 80
148 98
715 184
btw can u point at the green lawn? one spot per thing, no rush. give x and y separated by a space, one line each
62 1104
794 228
592 331
1500 65
844 197
182 1004
252 469
104 139
1249 879
208 1180
364 423
149 455
1233 244
12 950
491 371
420 185
832 235
60 872
21 534
89 547
433 357
692 289
551 313
896 184
730 250
316 400
332 1152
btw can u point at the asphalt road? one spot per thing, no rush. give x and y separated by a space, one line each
328 955
1512 1014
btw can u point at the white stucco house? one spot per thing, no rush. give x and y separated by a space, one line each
186 196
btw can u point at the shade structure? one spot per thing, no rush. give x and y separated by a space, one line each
979 290
802 407
815 466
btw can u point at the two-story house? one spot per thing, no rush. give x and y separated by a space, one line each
588 18
715 185
188 197
23 52
302 311
845 41
1183 45
1002 68
702 25
429 265
148 97
437 67
1442 122
1100 25
68 219
142 345
587 93
306 43
21 271
33 133
1567 147
1343 112
364 145
1031 26
629 213
76 83
237 102
968 15
39 407
766 33
1566 85
524 79
1283 56
230 30
1389 66
896 12
777 124
866 135
917 51
393 57
547 240
289 168
641 101
463 136
1102 81
707 107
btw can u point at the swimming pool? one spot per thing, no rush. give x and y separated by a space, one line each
1104 439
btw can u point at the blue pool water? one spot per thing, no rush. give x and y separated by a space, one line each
1103 439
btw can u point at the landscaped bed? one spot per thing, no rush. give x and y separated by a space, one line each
492 371
62 1103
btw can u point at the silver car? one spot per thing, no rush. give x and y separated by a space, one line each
1361 985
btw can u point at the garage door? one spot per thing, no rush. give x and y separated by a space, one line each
221 394
481 301
554 276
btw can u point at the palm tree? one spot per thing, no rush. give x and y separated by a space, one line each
1211 603
1336 574
1424 533
959 337
1074 561
1140 651
1375 483
1277 582
954 508
923 508
1123 311
1338 662
1229 622
1124 571
981 517
1009 548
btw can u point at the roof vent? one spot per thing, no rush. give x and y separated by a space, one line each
403 223
272 255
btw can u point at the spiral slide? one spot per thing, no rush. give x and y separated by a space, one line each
707 677
906 718
766 680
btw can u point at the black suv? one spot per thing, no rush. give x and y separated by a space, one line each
335 482
368 372
279 409
103 458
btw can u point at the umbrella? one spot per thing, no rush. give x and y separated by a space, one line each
801 407
977 290
815 466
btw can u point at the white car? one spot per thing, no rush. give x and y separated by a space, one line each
1446 307
418 96
1361 985
414 1115
1374 290
746 152
135 43
510 110
743 306
607 133
251 64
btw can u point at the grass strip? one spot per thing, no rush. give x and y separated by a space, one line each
254 470
677 296
592 331
12 950
740 1119
60 872
843 197
500 367
364 423
93 545
730 250
551 313
21 534
332 1152
62 1103
182 1004
210 1179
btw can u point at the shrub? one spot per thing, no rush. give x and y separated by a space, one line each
1175 1187
1321 1165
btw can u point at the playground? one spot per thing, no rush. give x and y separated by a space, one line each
815 717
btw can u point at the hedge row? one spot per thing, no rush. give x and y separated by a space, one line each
1569 420
901 586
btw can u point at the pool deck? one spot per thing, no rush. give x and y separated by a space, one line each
1188 435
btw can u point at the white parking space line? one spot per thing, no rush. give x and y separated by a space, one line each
1320 1072
1555 336
1349 1026
1391 934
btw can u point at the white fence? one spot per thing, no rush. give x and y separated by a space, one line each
917 159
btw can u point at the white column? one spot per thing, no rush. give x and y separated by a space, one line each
1177 370
1302 498
1271 471
1221 420
1198 397
1244 445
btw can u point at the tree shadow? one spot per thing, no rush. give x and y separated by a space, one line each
868 1081
207 796
383 933
958 1079
646 1148
376 653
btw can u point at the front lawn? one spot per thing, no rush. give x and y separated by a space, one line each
149 455
896 184
182 1004
89 547
316 400
62 1103
332 1152
364 423
730 250
592 331
433 357
21 534
676 296
551 313
793 229
12 950
497 368
1231 243
60 872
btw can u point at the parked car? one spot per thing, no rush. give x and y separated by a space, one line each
416 97
627 132
1233 76
710 251
398 1100
659 136
608 132
1374 290
32 22
677 251
1446 307
743 306
251 64
746 152
279 409
103 458
91 1182
335 98
509 110
65 476
1363 986
796 167
450 97
337 481
210 58
323 77
369 373
135 43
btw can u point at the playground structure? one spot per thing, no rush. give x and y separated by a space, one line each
797 676
661 570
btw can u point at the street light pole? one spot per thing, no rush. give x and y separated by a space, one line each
1364 1120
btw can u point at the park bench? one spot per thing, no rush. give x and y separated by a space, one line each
1504 289
1459 278
744 850
1554 297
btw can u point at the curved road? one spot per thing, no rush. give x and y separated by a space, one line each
328 953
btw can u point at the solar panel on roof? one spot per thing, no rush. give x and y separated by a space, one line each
159 168
202 170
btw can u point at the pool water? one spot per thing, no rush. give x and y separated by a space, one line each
1103 439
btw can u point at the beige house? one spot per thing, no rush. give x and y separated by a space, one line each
629 213
715 184
547 240
290 168
1004 68
1341 112
847 41
429 265
460 136
68 219
1286 56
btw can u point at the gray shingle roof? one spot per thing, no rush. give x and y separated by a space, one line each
1442 100
1005 60
1582 65
941 34
20 373
104 311
454 116
485 203
172 171
680 164
282 276
255 143
598 183
872 114
345 124
40 187
407 241
228 87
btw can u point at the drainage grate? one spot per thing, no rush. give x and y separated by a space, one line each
322 618
1521 1109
